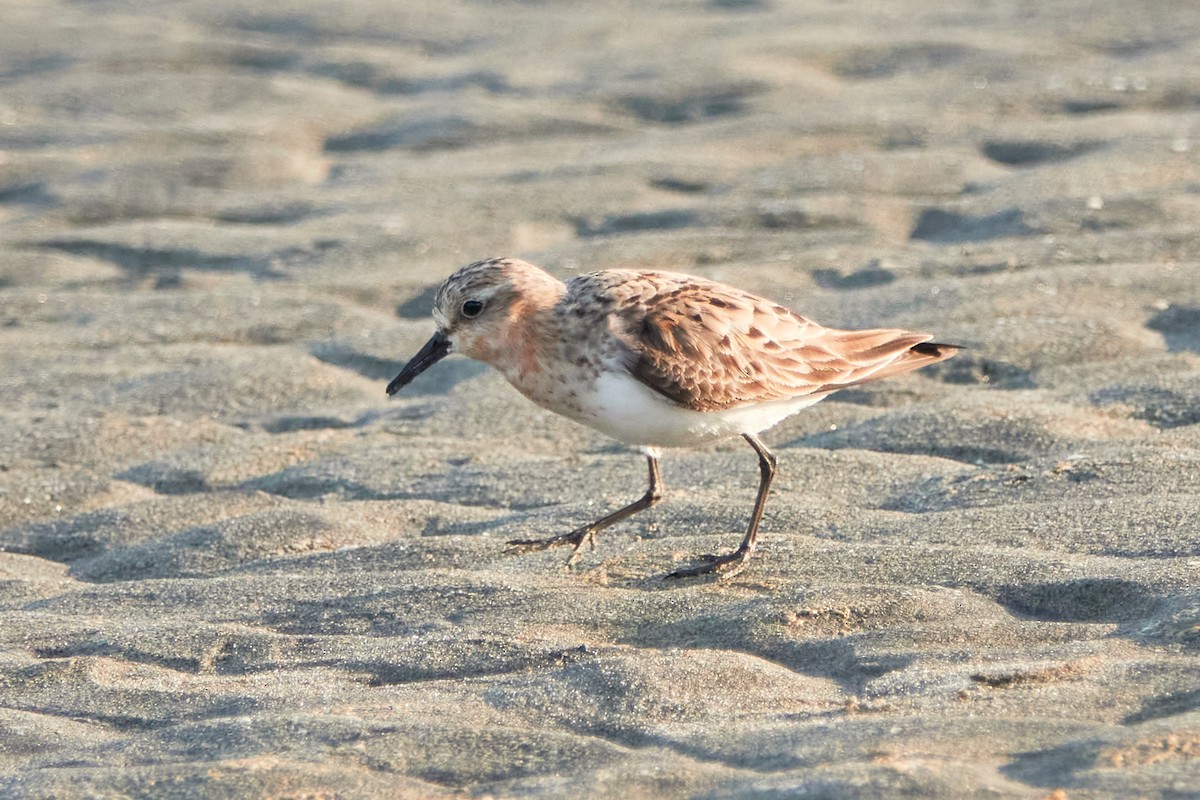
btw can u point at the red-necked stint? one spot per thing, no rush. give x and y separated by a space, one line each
656 359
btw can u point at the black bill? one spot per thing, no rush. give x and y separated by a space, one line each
434 351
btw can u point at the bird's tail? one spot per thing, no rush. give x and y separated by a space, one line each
935 351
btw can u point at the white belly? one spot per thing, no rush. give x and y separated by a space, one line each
626 409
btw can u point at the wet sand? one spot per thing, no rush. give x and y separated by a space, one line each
231 567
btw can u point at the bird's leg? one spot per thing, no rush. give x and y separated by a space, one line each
587 533
735 562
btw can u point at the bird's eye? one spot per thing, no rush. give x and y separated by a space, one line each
472 309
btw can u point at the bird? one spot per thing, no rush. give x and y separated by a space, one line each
656 360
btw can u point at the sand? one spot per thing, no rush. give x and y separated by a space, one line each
231 567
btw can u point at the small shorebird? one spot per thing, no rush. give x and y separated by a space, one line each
655 359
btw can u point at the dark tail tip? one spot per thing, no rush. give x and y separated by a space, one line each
936 349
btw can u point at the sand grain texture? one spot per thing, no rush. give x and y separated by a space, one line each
230 567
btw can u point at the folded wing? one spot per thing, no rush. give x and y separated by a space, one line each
708 346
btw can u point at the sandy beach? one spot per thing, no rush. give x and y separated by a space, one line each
231 567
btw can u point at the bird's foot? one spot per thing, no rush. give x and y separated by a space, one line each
723 566
577 537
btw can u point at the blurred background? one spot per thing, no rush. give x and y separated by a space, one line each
220 226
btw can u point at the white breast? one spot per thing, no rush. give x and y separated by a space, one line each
626 409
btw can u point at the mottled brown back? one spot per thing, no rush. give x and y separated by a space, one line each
709 346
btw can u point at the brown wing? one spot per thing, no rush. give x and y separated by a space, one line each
709 346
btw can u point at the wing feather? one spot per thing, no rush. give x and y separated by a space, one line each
708 346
